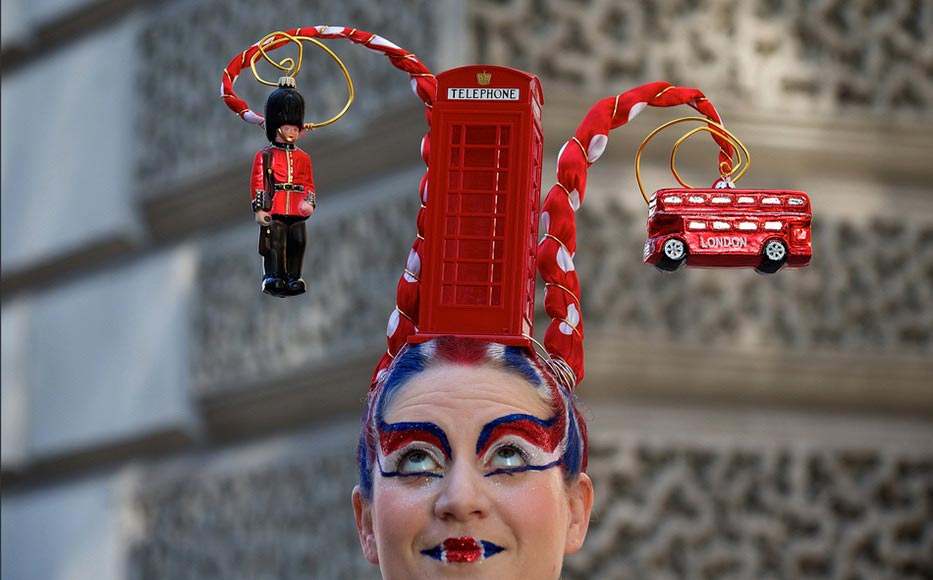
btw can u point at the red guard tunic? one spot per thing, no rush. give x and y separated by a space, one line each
291 168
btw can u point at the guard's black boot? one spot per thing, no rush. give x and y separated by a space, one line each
274 280
296 286
274 286
297 240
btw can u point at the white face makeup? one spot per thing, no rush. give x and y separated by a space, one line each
468 483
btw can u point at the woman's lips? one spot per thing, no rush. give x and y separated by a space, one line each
462 550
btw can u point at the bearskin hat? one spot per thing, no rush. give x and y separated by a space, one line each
285 106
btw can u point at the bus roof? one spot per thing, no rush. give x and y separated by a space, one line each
705 200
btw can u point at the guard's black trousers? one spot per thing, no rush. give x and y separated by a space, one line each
282 247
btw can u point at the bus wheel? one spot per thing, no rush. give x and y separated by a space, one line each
773 257
673 255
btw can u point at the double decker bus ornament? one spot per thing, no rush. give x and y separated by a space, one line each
724 227
732 228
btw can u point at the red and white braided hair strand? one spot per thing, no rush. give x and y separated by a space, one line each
403 320
563 339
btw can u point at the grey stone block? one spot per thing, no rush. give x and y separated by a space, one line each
67 137
108 356
64 532
13 392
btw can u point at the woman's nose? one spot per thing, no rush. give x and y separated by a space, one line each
463 494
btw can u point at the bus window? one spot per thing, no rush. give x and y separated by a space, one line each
771 201
746 199
722 199
696 199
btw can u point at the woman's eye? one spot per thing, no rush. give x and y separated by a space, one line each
417 461
507 457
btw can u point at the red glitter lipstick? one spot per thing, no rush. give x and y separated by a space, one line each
462 550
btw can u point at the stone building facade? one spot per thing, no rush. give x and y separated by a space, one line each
161 419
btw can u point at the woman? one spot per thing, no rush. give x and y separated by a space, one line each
471 466
472 454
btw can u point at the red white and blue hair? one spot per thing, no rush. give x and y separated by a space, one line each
564 433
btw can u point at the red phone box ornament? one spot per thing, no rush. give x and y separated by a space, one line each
484 188
764 229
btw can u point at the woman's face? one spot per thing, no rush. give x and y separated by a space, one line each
467 483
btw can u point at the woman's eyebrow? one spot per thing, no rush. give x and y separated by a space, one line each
543 433
394 436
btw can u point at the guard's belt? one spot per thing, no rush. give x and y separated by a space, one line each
288 187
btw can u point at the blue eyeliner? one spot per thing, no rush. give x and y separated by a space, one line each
514 470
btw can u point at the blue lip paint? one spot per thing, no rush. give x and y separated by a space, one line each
490 549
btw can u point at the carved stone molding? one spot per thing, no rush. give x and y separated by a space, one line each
712 505
786 55
869 288
352 265
728 509
250 516
185 127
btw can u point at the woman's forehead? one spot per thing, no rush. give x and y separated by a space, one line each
450 394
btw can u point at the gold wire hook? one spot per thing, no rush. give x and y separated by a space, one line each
738 149
287 65
735 174
291 67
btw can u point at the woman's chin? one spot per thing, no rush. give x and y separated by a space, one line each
482 570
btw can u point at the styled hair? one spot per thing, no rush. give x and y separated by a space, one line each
417 358
285 106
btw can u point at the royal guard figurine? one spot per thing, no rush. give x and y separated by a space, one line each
281 183
282 189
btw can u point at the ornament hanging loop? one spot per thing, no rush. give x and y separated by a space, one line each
729 175
290 66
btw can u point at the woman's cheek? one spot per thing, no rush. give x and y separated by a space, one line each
402 512
400 503
536 490
522 502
